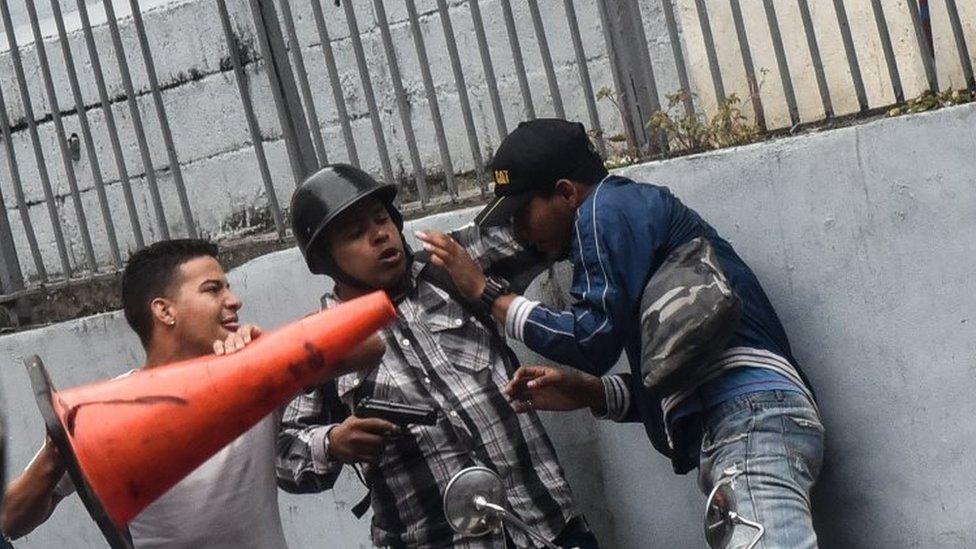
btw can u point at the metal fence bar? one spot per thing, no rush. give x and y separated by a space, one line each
513 42
62 137
679 57
113 132
335 83
635 76
11 277
50 200
851 53
174 161
584 74
91 153
754 93
621 83
288 105
784 67
252 122
961 47
403 105
815 58
924 49
713 67
435 111
374 113
462 89
130 97
888 49
485 53
540 36
296 56
646 91
19 190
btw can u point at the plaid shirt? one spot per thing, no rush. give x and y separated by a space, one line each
438 355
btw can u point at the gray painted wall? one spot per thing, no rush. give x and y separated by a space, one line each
860 238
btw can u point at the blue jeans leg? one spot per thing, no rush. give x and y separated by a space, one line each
772 442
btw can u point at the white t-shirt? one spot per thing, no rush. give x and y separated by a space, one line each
229 502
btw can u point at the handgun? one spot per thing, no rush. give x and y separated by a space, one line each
401 415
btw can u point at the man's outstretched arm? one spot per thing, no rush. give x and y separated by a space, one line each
31 497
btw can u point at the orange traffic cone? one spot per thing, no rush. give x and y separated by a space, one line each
128 440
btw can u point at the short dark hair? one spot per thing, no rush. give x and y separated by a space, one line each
150 273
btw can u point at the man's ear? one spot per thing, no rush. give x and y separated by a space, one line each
566 189
162 311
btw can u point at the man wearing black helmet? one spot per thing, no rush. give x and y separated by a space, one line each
440 354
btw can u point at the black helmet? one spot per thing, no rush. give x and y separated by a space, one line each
322 197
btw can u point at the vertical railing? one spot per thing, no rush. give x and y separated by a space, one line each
110 126
368 94
403 106
294 126
527 69
22 207
447 166
62 138
462 92
330 64
740 33
489 68
815 58
49 199
853 63
86 132
163 119
233 52
959 37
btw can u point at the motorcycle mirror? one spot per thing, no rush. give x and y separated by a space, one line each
467 487
722 516
719 511
473 505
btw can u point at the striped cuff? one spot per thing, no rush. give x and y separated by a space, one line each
319 441
617 393
518 313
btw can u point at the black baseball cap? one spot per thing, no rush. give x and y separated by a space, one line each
532 158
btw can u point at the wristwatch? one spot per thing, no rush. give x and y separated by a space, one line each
494 288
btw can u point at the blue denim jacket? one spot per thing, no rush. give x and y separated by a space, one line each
623 232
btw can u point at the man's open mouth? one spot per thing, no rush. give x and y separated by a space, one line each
390 255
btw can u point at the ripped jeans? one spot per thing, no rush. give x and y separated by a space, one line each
774 440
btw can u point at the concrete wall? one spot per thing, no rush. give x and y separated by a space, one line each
860 236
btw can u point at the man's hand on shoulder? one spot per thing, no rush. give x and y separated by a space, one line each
447 254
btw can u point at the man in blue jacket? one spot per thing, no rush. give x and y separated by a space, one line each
750 415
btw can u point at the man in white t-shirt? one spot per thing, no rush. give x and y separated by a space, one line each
176 298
